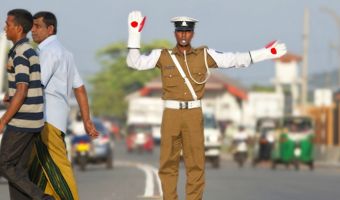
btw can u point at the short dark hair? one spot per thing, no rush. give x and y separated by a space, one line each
22 18
48 18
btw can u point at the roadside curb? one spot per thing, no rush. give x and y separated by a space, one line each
327 164
318 164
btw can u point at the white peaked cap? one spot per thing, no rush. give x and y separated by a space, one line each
184 23
183 19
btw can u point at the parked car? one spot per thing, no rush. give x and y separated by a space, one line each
139 138
99 150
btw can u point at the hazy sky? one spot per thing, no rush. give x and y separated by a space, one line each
239 25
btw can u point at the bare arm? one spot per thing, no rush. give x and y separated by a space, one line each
81 97
15 104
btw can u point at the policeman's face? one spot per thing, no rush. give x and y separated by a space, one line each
40 31
184 38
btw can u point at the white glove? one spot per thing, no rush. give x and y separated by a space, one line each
136 23
272 50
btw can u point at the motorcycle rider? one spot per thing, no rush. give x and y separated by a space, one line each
78 132
240 143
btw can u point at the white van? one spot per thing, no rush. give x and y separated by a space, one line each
212 140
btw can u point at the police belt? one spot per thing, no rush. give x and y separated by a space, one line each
182 104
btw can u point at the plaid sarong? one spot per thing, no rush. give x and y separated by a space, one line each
50 168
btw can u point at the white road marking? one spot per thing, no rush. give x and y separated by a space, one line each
150 173
155 171
149 183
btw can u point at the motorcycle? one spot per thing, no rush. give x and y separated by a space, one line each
82 148
139 139
240 143
241 152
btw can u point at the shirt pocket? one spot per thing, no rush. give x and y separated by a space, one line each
199 73
170 76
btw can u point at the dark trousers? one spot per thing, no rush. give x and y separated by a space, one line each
15 152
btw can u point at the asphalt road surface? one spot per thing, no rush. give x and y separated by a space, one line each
135 177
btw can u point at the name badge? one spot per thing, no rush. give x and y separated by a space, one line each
169 67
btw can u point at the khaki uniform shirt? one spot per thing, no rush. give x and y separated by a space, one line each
174 87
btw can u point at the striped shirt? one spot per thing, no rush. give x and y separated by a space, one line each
23 67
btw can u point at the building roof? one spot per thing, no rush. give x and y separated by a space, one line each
289 57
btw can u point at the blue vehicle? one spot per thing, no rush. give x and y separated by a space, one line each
99 150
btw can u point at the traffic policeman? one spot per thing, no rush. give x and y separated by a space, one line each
184 72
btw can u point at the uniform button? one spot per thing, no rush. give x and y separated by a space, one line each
199 73
185 93
170 75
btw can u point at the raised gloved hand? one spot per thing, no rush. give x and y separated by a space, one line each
272 50
136 23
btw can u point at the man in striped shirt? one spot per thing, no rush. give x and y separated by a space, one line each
24 115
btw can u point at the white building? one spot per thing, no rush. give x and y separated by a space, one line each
284 100
287 81
262 104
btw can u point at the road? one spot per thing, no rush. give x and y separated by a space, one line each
134 177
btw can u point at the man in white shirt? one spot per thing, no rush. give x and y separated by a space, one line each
59 77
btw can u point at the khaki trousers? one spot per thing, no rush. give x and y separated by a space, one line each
182 130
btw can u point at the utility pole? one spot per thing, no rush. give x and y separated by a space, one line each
304 87
330 77
336 17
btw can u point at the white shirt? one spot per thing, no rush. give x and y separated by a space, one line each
59 76
78 128
242 137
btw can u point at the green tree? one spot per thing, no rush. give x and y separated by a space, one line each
261 88
111 85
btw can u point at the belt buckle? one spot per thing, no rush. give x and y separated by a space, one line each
183 105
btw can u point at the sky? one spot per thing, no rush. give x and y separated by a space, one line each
225 25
